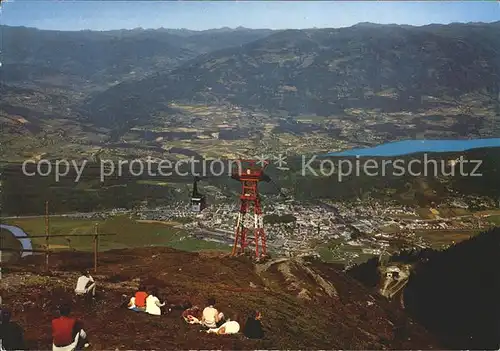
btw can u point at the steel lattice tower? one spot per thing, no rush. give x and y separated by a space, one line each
250 176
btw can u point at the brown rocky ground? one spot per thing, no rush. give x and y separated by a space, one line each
304 304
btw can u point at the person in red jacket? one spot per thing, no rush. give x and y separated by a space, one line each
67 332
140 299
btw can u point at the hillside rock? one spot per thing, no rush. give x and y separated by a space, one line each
453 293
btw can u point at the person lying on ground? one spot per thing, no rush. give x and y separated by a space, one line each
153 304
229 327
85 284
67 332
11 333
253 326
139 300
192 315
211 317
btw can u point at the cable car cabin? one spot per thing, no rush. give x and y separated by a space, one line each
198 203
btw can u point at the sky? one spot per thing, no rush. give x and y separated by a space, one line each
200 15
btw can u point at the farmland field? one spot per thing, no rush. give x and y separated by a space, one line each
129 233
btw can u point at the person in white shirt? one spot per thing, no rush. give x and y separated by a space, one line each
230 327
85 284
211 318
153 305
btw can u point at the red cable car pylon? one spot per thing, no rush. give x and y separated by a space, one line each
250 176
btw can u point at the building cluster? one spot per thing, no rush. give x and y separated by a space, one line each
172 212
346 230
470 202
357 228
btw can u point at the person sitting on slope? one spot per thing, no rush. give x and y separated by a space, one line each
138 302
85 284
153 304
11 333
211 318
67 332
192 315
253 326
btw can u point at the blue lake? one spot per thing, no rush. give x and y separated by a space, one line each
407 147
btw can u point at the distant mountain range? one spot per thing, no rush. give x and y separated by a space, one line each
70 59
326 71
118 79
